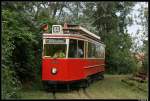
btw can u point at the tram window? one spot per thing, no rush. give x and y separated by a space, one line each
72 48
91 50
76 49
80 49
97 51
55 50
102 51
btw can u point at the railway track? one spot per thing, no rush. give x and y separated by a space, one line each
86 93
80 93
54 94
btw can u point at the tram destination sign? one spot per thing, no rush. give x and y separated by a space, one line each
53 41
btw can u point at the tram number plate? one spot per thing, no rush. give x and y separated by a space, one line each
56 29
55 41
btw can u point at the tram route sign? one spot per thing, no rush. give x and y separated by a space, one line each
57 29
53 41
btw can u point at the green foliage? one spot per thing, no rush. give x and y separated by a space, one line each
145 62
22 37
112 29
17 49
10 85
143 15
7 42
22 40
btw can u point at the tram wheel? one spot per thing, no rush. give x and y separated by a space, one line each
102 77
84 84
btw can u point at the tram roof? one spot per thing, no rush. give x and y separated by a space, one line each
80 29
76 30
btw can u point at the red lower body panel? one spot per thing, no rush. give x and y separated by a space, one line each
70 69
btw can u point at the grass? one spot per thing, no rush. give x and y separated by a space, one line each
110 88
113 88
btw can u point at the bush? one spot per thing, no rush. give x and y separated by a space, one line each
120 64
145 64
10 85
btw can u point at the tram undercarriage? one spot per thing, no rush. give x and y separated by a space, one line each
71 85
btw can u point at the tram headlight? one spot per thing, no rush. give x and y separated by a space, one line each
54 70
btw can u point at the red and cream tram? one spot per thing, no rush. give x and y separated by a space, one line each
71 53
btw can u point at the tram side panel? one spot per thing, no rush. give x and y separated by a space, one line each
94 66
75 69
79 69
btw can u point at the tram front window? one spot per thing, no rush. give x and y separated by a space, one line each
55 50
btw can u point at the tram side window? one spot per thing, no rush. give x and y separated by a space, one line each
72 48
97 51
80 49
91 50
76 49
102 51
55 50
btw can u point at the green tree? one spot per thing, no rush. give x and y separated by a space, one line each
113 31
144 24
10 85
22 37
